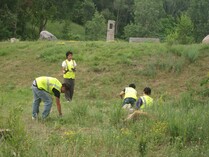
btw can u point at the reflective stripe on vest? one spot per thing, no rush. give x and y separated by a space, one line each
48 83
70 73
147 101
130 93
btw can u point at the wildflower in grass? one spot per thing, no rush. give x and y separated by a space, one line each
125 131
159 128
69 135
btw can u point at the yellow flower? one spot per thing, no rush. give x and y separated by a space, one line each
125 131
70 133
160 128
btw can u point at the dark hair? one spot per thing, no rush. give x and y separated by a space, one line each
68 53
147 90
132 85
65 86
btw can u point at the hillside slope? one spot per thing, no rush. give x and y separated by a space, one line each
93 123
108 67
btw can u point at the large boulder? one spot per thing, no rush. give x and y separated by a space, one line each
14 40
206 40
45 35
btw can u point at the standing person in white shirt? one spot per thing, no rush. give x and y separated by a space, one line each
69 69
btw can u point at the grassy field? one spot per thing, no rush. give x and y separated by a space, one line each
93 123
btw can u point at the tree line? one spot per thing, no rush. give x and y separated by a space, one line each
180 21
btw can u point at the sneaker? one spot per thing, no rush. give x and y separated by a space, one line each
33 118
69 100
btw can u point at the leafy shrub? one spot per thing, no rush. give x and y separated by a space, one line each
132 30
95 29
191 54
183 31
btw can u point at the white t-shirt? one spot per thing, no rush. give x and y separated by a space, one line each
72 63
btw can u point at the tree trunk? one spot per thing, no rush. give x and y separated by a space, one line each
42 25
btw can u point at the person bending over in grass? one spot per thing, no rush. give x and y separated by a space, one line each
43 88
143 104
129 96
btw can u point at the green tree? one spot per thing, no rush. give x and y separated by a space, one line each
83 11
65 9
166 26
88 10
183 33
132 30
7 20
123 11
185 30
119 10
42 11
9 15
96 28
146 19
108 15
103 4
65 30
199 14
175 8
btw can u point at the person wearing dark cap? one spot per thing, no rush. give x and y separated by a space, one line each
129 95
69 69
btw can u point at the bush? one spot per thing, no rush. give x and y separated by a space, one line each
183 32
96 28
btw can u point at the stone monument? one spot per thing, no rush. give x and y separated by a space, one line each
111 30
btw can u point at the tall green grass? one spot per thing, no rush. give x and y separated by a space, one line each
93 124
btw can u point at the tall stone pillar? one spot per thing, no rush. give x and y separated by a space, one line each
111 30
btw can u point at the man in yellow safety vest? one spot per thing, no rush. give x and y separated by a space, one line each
43 87
69 69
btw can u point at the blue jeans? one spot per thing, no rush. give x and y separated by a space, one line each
39 95
129 101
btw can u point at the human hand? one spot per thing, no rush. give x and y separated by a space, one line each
73 69
66 71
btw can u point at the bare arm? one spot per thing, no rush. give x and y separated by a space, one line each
64 67
58 106
63 70
122 93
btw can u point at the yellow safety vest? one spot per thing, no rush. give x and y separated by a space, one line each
70 73
48 83
147 101
130 93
